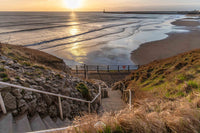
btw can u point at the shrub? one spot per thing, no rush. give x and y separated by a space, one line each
2 69
81 87
3 75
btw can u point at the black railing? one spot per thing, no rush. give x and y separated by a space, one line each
103 68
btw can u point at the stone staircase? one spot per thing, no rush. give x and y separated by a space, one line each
9 124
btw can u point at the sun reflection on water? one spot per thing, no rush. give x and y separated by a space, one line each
75 49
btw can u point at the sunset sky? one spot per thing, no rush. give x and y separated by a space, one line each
98 5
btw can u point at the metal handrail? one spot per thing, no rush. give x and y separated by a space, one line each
130 94
49 93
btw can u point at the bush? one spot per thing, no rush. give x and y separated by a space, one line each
81 87
3 75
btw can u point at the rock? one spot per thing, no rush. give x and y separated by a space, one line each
66 91
4 88
31 82
100 125
28 95
32 106
10 101
53 111
15 112
42 107
66 108
47 99
23 106
17 93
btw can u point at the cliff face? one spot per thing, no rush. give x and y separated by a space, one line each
38 70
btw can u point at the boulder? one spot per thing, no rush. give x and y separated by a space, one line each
53 111
10 101
17 93
66 108
22 106
42 107
32 106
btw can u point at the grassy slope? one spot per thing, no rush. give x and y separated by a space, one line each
31 56
166 99
171 78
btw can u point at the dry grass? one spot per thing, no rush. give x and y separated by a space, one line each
147 116
30 56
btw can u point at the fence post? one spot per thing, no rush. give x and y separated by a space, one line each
76 69
87 68
130 104
60 108
118 68
97 68
89 107
85 72
108 68
128 68
2 104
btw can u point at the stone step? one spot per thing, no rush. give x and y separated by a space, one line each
6 123
22 124
37 123
60 123
49 123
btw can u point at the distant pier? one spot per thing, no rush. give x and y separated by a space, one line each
154 12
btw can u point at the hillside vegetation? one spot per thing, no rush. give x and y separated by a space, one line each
166 99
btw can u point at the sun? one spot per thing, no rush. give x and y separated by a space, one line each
72 4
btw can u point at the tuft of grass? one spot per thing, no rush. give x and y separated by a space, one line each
182 77
192 84
40 67
26 64
81 87
6 79
3 75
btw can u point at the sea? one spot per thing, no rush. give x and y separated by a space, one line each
92 38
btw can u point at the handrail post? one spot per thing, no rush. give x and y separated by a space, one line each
60 108
100 94
130 104
2 104
89 107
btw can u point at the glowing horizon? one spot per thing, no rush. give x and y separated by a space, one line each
93 5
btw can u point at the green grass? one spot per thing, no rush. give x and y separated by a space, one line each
193 84
6 79
81 87
3 75
182 77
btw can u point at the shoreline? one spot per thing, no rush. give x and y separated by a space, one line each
174 44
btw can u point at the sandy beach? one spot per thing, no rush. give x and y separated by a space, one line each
174 44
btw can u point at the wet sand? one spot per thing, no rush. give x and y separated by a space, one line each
174 44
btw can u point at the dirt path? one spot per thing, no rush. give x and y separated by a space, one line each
113 102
